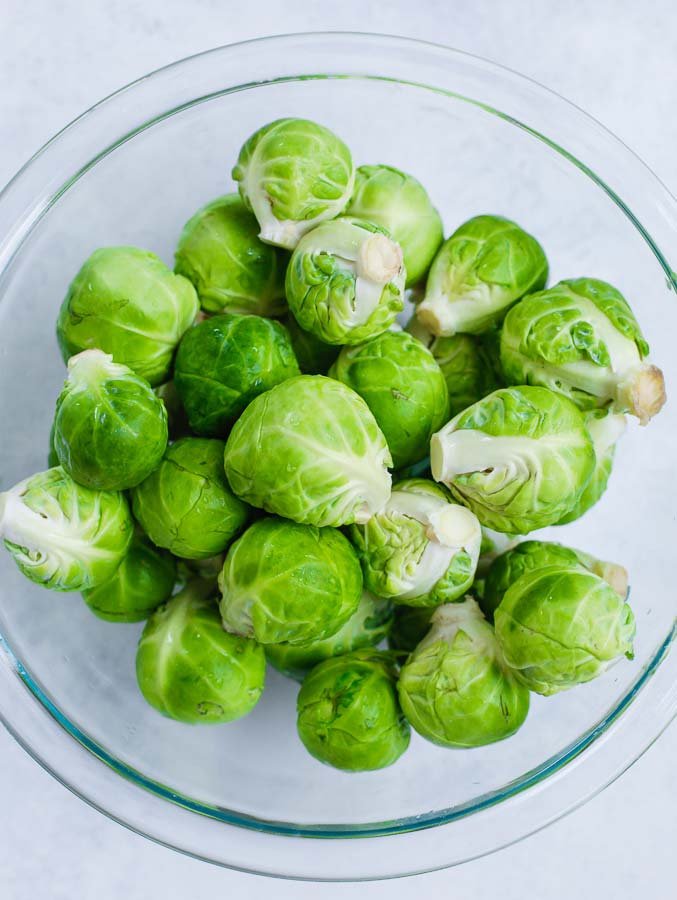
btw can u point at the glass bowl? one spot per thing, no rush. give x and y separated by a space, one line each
131 171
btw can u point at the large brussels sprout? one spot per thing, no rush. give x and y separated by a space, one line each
367 627
403 387
293 174
186 505
480 271
561 626
605 429
231 269
400 203
520 458
348 713
310 450
62 535
456 689
226 361
581 339
287 582
465 363
421 549
313 355
345 281
410 626
530 556
190 669
144 579
110 428
126 302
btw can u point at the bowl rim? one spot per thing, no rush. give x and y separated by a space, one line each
20 211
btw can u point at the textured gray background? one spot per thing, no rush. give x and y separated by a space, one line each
616 59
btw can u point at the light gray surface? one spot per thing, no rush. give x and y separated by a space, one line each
616 60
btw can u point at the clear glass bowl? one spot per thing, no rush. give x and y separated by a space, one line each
131 171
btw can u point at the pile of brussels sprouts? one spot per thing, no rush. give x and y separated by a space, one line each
250 453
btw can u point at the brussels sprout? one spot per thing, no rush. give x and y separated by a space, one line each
421 549
520 458
533 555
110 428
287 582
313 355
493 544
144 579
561 626
231 269
410 626
465 364
485 266
52 458
400 203
456 689
581 339
126 302
335 458
367 626
420 469
186 505
345 281
62 535
226 361
177 420
348 713
208 569
403 387
190 669
293 174
605 429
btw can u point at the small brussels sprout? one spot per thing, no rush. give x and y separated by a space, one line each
190 669
581 339
345 281
313 355
62 535
335 457
226 361
293 174
177 420
367 627
110 428
400 203
231 269
144 579
533 555
561 626
186 505
410 626
348 713
287 582
466 366
404 388
456 689
605 429
480 271
520 458
126 302
421 549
